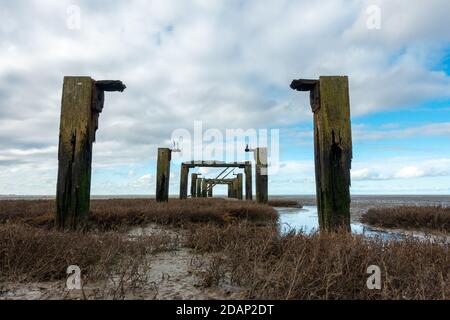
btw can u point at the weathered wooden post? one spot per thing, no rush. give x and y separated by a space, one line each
184 177
261 175
230 190
199 187
204 188
330 104
248 180
210 189
82 103
163 174
239 190
194 178
234 188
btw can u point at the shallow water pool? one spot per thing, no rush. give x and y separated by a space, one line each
306 220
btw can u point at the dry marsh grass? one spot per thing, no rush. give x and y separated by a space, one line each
235 247
30 254
408 217
113 261
321 266
118 213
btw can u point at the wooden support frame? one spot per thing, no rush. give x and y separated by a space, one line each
330 104
232 186
186 166
82 102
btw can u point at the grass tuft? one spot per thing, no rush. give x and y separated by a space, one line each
420 218
118 213
322 266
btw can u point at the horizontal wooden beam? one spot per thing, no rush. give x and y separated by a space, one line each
304 84
214 164
110 85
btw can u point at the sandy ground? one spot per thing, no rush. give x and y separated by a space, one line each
174 275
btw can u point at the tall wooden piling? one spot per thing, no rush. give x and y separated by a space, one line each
230 190
82 103
194 178
163 174
239 188
234 188
332 148
184 177
248 180
204 188
199 187
210 189
261 175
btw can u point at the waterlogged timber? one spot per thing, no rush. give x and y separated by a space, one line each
248 181
261 175
163 174
82 103
330 103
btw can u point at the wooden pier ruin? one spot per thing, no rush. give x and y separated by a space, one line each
82 102
330 104
202 186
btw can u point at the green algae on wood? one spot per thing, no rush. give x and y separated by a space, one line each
239 189
330 104
194 178
248 180
82 102
184 177
261 176
163 174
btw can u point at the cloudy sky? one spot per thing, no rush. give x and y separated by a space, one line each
228 64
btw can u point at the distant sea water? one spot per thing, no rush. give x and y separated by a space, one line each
306 200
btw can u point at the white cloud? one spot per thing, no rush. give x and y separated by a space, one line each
401 168
409 172
144 180
228 63
434 129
